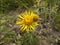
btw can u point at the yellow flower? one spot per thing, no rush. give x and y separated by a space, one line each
28 21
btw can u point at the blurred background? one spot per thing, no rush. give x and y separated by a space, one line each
48 31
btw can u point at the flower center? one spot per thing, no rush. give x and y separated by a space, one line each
35 17
28 20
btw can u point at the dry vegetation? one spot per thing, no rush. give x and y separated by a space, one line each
47 33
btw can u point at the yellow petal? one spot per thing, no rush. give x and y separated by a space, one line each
32 27
36 23
20 16
22 27
25 28
19 22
